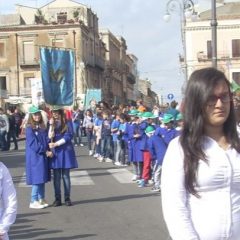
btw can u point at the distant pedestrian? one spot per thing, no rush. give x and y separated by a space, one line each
11 135
4 128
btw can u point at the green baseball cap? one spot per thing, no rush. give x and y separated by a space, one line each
167 118
149 129
34 109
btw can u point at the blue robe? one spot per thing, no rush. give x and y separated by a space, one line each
37 163
139 144
64 155
157 148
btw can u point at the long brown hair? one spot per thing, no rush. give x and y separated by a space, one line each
63 120
33 124
199 88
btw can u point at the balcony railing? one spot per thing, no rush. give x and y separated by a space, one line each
25 62
203 56
3 93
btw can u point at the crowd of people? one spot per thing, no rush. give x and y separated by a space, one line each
121 135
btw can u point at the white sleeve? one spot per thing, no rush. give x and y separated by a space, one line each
174 196
9 200
61 142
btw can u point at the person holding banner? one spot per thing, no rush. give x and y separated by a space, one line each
37 153
60 134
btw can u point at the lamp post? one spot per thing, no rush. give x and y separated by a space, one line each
214 34
186 10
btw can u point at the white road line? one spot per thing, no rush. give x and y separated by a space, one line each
22 182
122 175
80 178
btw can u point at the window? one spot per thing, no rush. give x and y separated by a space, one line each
58 43
28 52
236 77
3 83
62 17
209 49
2 50
236 48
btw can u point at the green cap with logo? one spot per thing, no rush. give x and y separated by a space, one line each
34 109
167 118
133 112
149 129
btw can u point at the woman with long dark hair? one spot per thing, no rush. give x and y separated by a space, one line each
64 158
201 170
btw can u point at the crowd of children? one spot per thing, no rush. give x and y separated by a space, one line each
132 136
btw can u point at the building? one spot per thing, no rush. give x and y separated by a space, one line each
61 24
198 41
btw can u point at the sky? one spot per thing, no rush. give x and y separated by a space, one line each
153 41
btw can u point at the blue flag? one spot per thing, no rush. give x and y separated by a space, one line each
57 69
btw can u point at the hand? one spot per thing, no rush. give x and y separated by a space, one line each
51 121
52 145
49 154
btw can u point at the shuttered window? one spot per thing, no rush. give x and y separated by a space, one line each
28 52
236 48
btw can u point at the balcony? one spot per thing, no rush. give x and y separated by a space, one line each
27 63
99 62
25 92
131 78
3 93
221 56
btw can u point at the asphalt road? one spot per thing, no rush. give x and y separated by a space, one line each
106 204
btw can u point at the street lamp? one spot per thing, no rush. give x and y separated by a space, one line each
186 9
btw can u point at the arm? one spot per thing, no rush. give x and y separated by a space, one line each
9 200
174 196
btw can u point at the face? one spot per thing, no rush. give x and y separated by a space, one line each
56 114
37 117
218 105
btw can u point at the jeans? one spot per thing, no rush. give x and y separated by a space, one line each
38 192
3 141
157 169
138 169
65 175
89 138
12 134
77 134
106 146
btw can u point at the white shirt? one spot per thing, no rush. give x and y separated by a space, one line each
8 201
216 214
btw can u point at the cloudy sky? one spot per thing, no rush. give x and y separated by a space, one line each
153 41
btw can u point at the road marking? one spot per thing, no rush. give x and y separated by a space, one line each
22 181
80 178
122 175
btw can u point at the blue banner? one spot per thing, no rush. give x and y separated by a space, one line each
57 70
93 96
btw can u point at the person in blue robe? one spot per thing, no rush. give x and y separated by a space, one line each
60 134
37 153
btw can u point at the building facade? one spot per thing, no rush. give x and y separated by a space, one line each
198 41
61 24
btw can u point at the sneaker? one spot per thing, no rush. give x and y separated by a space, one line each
156 189
141 183
68 202
57 203
81 145
117 163
36 205
75 145
108 160
134 178
96 155
43 202
90 152
100 159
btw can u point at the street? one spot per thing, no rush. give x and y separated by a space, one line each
107 205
